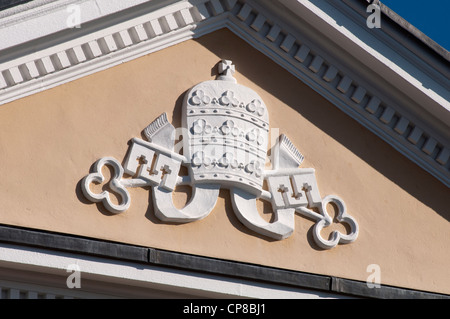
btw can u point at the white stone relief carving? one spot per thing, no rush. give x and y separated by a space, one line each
225 140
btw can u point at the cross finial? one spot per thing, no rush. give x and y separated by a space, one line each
307 187
226 71
165 170
142 160
283 189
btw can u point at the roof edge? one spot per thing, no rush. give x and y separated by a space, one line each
409 117
403 23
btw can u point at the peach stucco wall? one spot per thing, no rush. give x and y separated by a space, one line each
49 141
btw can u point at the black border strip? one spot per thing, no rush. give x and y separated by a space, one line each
239 269
67 243
164 258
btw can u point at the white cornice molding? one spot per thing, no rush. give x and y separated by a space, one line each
351 67
377 52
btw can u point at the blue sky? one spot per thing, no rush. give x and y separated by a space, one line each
432 17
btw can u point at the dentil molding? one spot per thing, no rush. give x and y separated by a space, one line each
106 40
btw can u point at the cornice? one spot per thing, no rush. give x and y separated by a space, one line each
411 119
85 248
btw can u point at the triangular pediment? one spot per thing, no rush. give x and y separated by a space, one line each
280 30
88 94
75 132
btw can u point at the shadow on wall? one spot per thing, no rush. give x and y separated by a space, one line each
367 146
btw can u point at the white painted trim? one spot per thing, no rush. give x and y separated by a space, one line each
144 276
364 38
339 84
348 66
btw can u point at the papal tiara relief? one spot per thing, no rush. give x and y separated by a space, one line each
225 129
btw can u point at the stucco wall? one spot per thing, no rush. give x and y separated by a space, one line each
49 141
